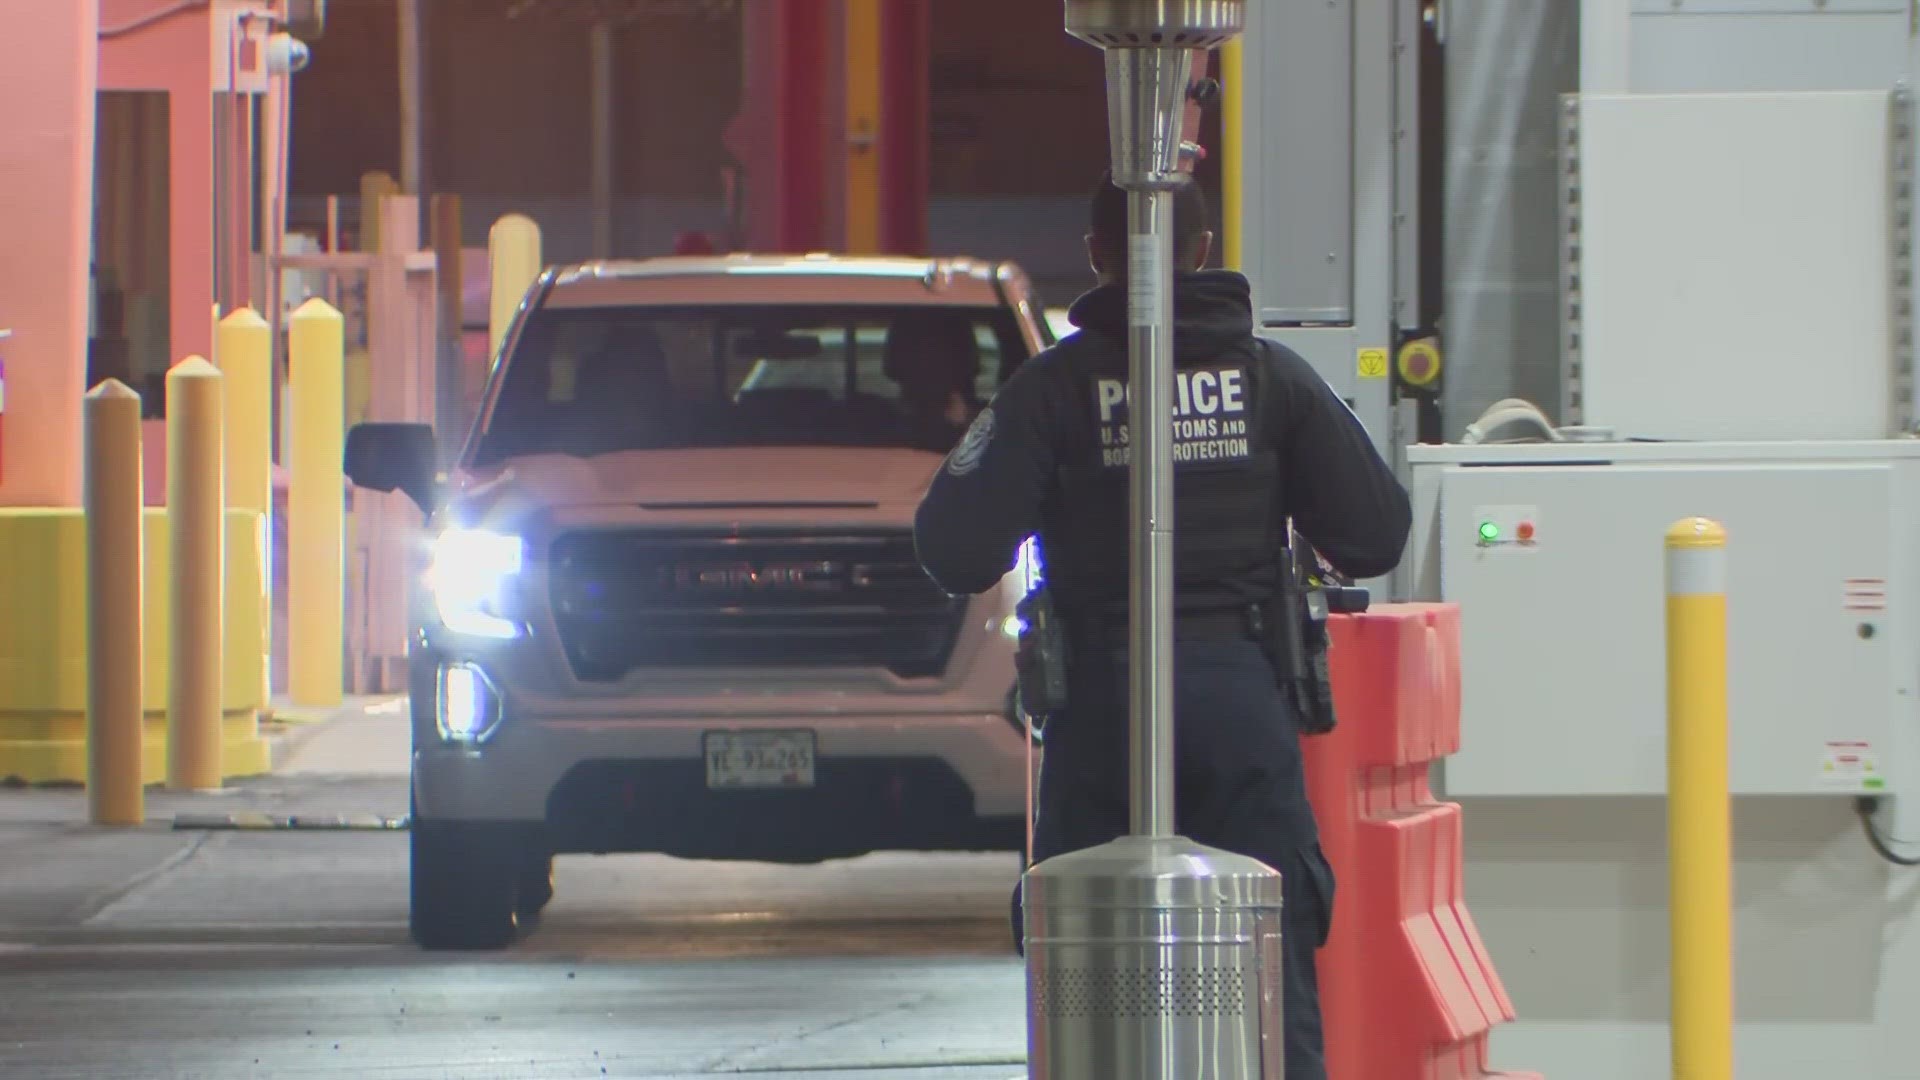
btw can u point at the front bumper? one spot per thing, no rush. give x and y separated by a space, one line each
882 782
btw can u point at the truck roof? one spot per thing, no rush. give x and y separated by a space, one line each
786 279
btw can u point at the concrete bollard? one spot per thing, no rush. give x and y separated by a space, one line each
1699 809
196 572
316 512
513 262
111 493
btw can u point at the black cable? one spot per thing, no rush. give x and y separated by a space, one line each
1865 806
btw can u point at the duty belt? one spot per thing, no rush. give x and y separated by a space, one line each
1215 625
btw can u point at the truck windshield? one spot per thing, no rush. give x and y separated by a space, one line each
598 380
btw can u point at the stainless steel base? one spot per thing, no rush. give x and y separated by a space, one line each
1153 958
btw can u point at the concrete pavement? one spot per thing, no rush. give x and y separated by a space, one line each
158 953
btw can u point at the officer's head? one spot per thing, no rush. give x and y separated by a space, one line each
1107 237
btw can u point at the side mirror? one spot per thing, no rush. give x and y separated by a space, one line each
395 457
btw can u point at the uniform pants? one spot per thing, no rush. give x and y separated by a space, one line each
1239 785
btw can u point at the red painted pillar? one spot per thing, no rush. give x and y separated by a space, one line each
906 34
789 134
48 70
780 135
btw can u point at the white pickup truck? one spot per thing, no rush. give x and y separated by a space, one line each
670 601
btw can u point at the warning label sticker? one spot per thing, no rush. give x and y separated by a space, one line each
1209 417
1851 766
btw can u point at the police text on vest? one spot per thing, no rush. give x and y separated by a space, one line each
1209 417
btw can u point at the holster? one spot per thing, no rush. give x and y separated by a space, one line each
1292 627
1040 658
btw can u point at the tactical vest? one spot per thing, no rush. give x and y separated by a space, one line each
1228 529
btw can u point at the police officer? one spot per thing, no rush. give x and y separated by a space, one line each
1258 437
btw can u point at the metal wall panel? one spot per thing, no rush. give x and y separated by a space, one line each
1298 219
1841 51
1508 62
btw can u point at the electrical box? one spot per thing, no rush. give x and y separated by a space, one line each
1723 252
1555 554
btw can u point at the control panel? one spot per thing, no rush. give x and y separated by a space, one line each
1506 529
1559 571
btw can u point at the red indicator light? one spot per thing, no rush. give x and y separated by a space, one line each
1524 531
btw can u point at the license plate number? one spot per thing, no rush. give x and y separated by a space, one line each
759 759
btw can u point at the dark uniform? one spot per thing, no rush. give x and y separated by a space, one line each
1258 437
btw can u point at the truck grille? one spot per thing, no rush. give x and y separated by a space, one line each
629 599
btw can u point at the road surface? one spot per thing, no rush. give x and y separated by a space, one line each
160 953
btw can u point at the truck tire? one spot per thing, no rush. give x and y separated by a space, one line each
463 888
535 887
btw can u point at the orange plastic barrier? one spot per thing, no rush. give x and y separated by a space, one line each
1407 989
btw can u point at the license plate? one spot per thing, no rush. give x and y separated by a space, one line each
759 759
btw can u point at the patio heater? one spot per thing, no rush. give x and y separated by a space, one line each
1152 957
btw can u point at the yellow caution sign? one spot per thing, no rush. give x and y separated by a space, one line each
1372 364
1419 362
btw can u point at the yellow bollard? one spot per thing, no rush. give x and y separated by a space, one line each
513 259
245 358
196 568
316 514
111 491
1699 825
865 104
1233 151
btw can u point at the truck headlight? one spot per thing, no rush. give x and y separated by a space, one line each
469 708
467 573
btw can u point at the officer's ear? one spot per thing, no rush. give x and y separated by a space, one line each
1093 255
1202 250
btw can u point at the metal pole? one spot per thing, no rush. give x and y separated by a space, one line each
1152 909
1150 379
602 137
221 133
1233 151
412 98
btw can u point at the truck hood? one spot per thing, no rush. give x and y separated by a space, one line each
884 484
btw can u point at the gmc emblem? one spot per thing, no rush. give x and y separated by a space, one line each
753 577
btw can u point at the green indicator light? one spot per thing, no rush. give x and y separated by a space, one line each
1489 531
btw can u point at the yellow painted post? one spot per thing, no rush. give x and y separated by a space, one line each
196 571
111 493
245 359
245 356
862 183
316 513
1699 825
1232 152
513 259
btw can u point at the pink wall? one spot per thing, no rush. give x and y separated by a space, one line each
175 55
46 215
